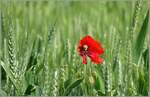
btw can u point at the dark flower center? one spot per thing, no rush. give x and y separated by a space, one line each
85 47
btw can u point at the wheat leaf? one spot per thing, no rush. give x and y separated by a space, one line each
2 93
73 85
8 72
141 37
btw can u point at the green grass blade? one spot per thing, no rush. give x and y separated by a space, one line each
3 93
8 72
146 58
141 37
73 85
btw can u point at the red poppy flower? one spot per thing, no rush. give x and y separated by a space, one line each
91 48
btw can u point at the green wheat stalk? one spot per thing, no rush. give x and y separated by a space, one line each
46 64
62 74
74 59
135 18
55 84
119 70
0 47
106 81
11 54
129 45
107 78
69 50
46 79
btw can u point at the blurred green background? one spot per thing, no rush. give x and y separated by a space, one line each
39 39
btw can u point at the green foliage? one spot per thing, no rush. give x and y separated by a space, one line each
8 72
3 93
38 48
71 86
146 58
142 36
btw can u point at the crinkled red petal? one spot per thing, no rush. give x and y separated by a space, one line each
92 44
95 58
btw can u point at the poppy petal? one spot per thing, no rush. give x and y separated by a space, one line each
92 44
93 49
95 58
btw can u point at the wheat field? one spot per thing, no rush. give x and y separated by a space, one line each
39 40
